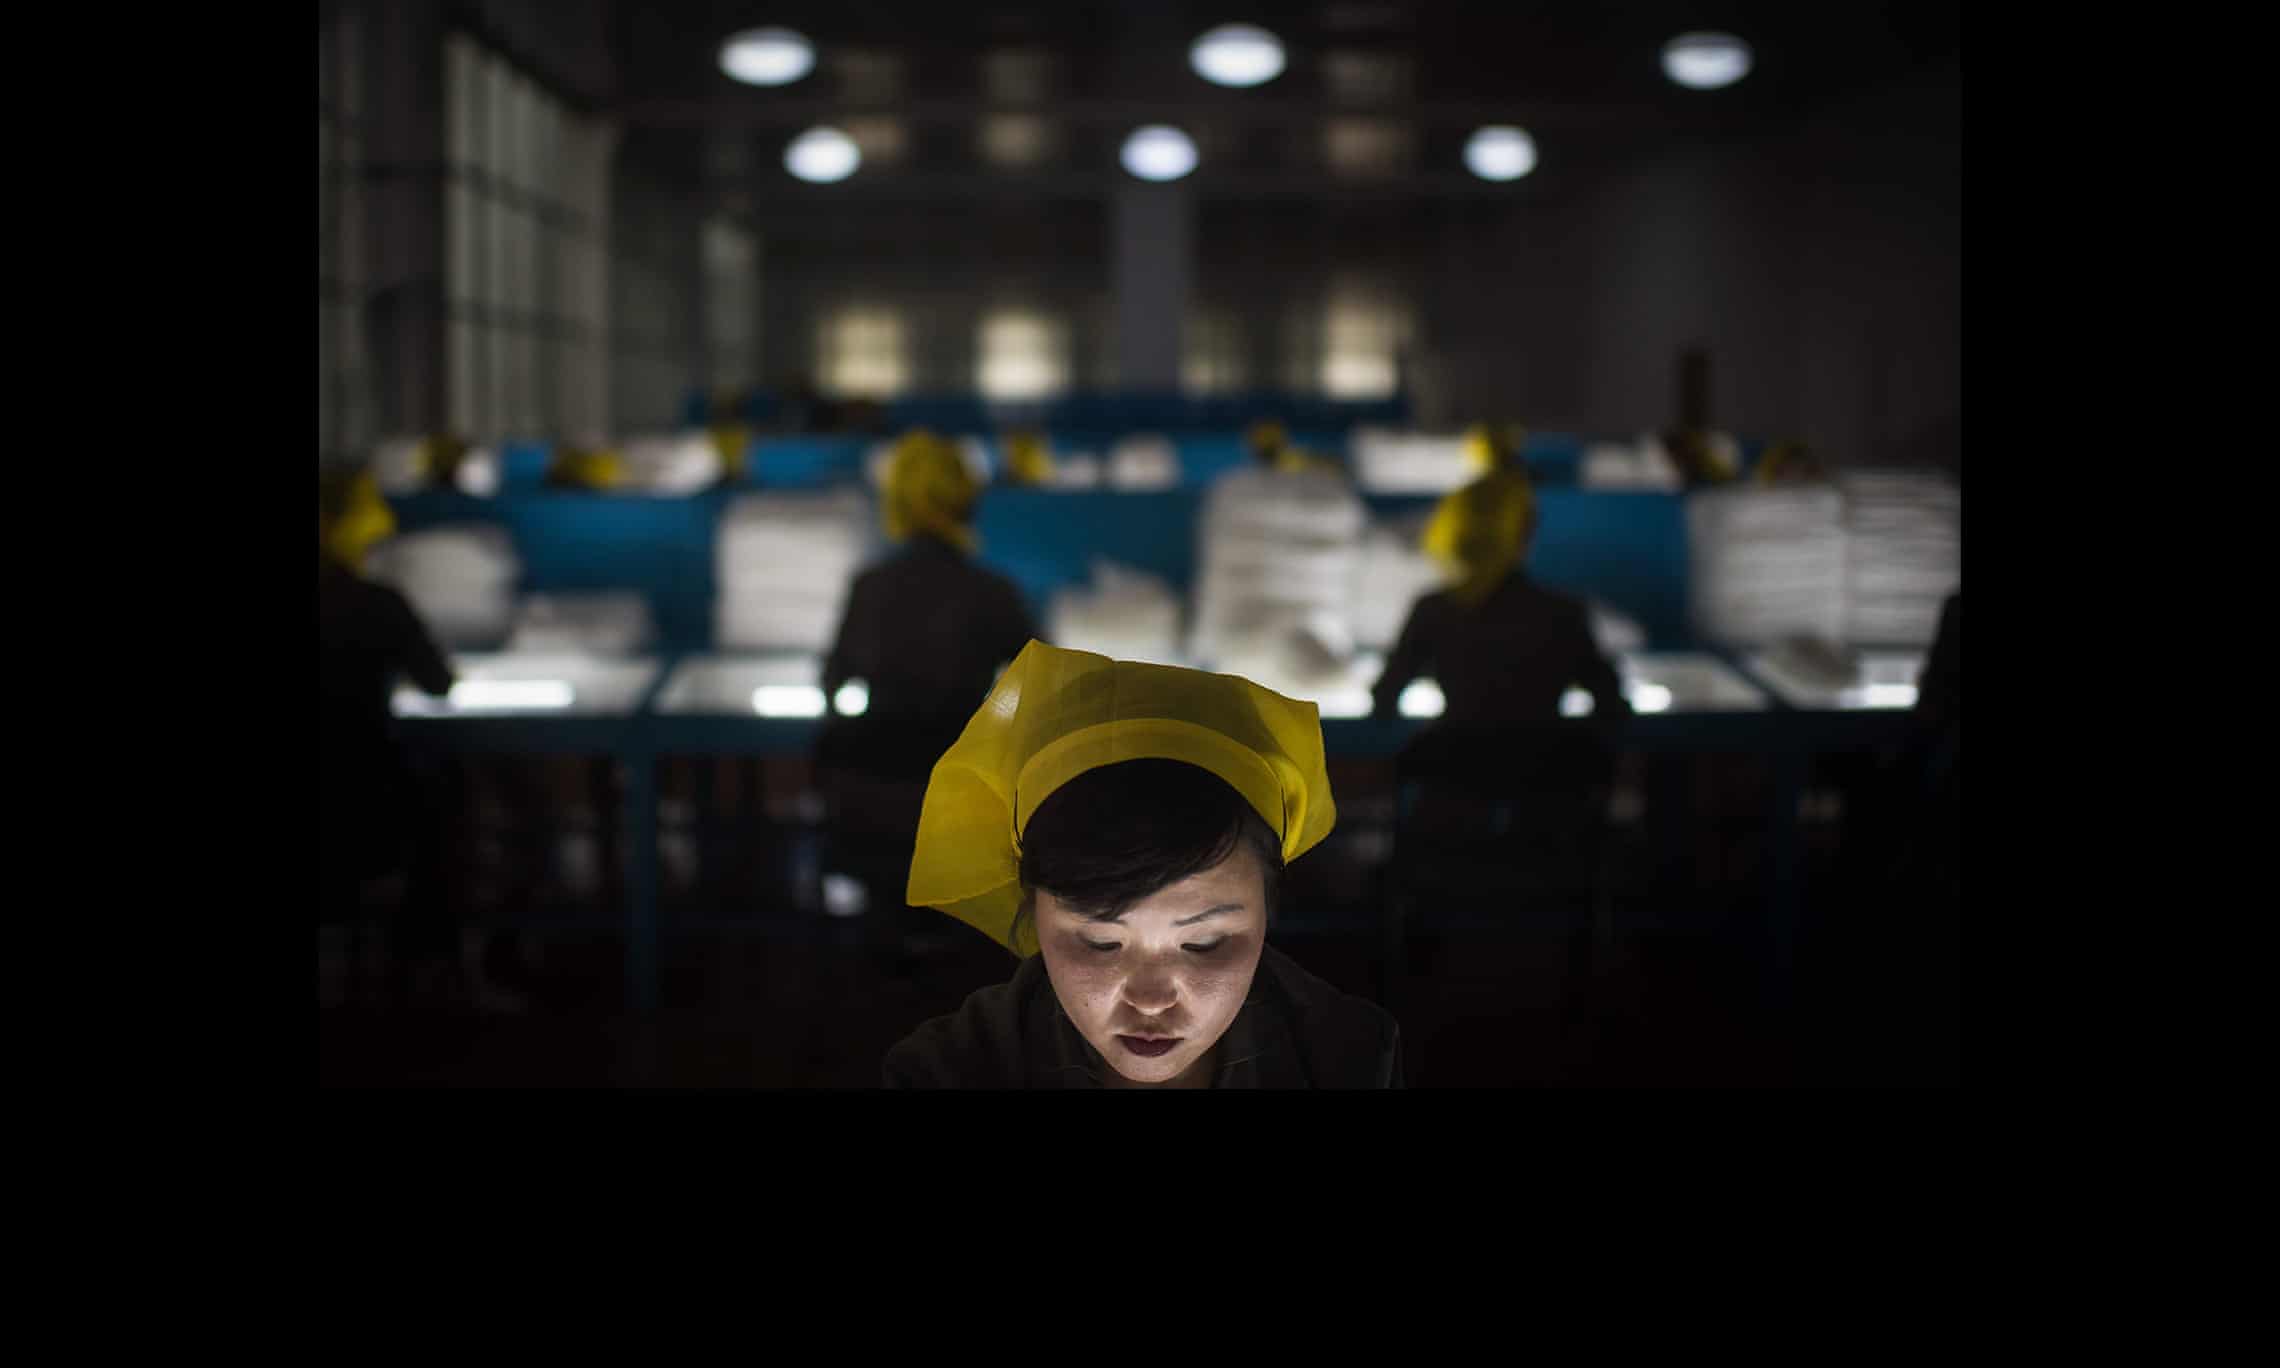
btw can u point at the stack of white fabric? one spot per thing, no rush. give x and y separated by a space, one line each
1389 462
782 566
479 472
1143 462
1278 555
1766 564
1125 614
1903 551
584 624
1077 470
1390 575
682 463
1643 466
460 579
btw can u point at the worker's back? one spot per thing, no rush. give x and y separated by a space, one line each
367 638
926 630
1508 658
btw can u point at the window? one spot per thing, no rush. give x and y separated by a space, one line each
524 211
1362 337
344 421
1212 354
1023 356
731 300
864 353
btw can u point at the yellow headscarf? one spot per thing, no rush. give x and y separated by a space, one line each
1056 714
362 521
1480 532
928 489
1787 461
1491 447
732 443
1027 461
603 469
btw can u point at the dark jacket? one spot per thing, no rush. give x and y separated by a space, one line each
368 637
1294 1031
1506 659
927 630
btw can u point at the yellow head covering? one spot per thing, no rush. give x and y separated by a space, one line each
1491 447
361 521
732 443
1787 461
1267 439
1026 459
1480 532
603 469
929 489
1056 714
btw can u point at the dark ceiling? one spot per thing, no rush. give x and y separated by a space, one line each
1585 78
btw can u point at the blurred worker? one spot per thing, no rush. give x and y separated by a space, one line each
925 631
582 466
1790 462
1491 447
1028 460
376 817
1501 647
1270 447
928 628
1703 456
1123 830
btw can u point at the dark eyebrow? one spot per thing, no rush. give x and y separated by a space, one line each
1116 918
1206 916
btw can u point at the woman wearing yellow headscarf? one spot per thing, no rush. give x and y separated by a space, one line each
353 518
1501 647
1028 461
929 490
927 628
375 815
1123 828
1270 445
1491 447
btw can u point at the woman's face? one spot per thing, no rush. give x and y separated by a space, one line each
1175 966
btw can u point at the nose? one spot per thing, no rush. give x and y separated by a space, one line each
1151 992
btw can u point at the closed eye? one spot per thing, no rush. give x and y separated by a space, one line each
1113 947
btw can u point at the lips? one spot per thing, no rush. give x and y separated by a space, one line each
1148 1047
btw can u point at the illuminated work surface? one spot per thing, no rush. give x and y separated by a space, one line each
516 684
1876 681
782 684
1655 682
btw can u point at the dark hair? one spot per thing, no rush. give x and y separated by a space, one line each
1113 835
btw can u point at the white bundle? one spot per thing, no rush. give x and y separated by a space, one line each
682 463
594 624
460 580
1766 564
1279 553
1125 615
398 466
1389 462
782 566
1390 575
1079 470
479 473
1904 554
1613 465
1144 462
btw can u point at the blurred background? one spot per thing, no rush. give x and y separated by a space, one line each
635 322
